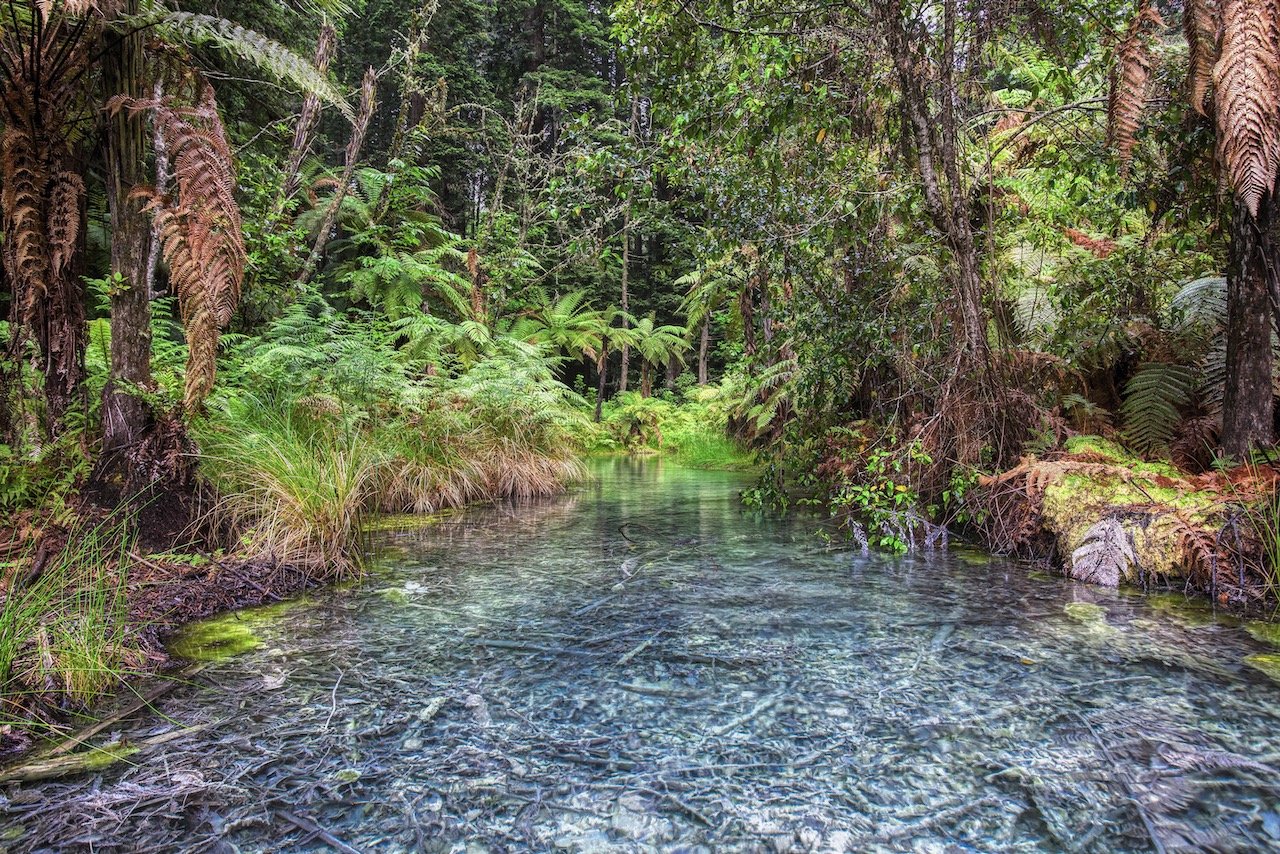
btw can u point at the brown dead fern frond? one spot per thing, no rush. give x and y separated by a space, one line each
199 227
1201 24
66 194
1130 83
1198 547
1247 94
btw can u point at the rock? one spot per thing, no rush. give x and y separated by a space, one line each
413 744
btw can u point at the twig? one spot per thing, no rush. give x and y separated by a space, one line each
1128 786
641 647
311 827
763 706
333 701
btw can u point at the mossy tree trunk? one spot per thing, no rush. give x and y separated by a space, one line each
126 417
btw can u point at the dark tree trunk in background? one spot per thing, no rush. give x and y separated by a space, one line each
1251 281
602 373
703 346
626 300
673 372
125 416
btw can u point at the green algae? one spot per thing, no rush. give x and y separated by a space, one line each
973 557
394 595
1085 613
1265 631
108 755
405 521
227 635
1265 662
1186 612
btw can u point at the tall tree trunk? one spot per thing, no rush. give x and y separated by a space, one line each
355 145
1248 403
602 372
704 345
125 416
305 130
945 197
673 372
626 298
646 385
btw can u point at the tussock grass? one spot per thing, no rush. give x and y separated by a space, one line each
297 486
297 479
63 624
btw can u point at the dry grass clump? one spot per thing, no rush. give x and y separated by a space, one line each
297 488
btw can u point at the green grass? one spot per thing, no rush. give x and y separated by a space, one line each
63 634
297 477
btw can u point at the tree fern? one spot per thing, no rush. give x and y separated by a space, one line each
252 47
1200 303
1153 399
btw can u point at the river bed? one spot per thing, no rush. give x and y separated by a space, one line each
646 665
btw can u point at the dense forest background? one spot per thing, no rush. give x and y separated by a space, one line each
890 247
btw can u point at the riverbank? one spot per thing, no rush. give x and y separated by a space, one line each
1096 513
534 681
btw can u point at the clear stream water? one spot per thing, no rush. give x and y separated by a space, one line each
645 665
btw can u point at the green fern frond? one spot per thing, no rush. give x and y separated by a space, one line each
1153 398
252 47
1200 303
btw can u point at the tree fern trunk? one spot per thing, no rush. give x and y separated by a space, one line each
602 372
1247 407
125 416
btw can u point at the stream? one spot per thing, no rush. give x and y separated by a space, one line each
646 665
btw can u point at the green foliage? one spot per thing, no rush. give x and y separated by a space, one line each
873 497
1153 398
692 431
252 47
65 630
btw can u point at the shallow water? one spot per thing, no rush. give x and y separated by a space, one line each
646 665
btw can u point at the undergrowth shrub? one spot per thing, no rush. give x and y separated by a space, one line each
63 621
340 422
693 431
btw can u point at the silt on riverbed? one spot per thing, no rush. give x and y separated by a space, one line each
644 665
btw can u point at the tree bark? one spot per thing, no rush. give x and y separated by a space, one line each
602 372
126 417
947 205
1251 280
704 345
626 299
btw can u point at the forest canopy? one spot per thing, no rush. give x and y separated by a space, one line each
878 245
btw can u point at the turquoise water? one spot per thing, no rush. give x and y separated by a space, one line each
645 665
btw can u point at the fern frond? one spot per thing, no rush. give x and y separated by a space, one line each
1201 302
255 48
65 195
1153 397
1105 556
1247 91
1130 78
1200 23
199 229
